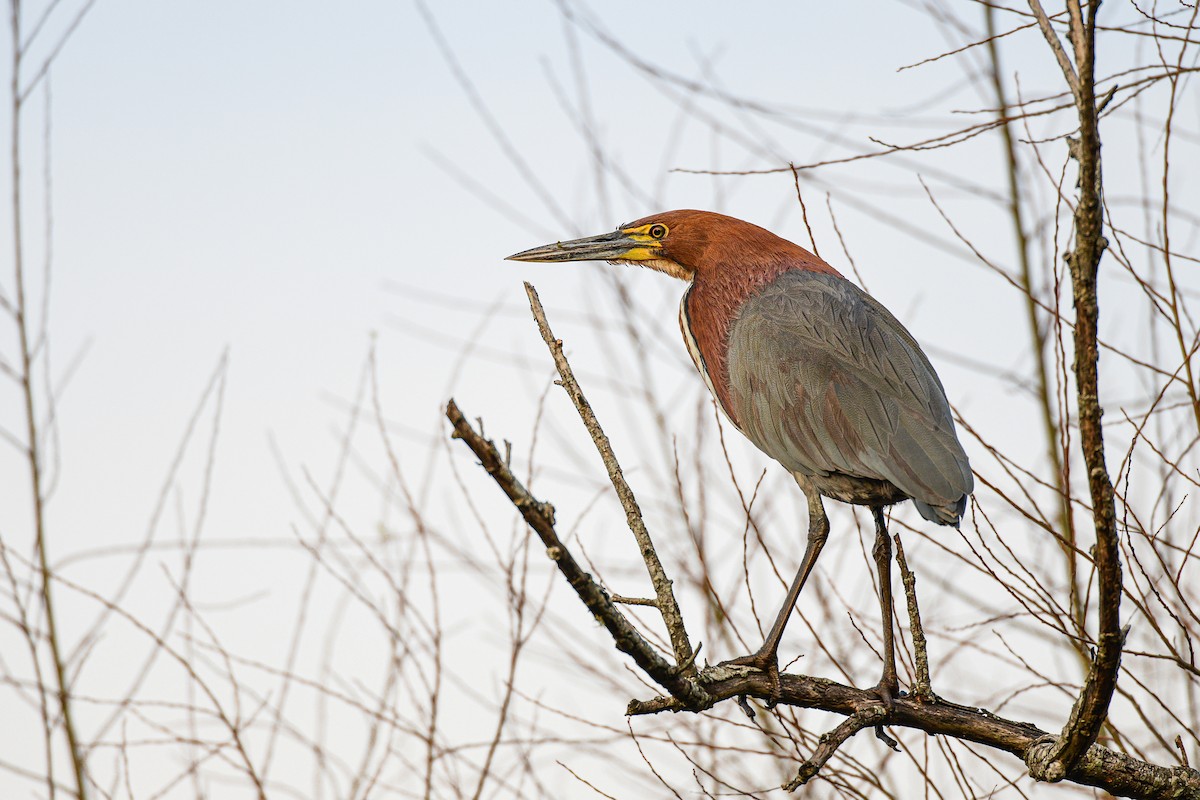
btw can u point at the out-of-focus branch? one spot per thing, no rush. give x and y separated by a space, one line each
1056 761
33 451
539 516
1046 395
1055 45
664 594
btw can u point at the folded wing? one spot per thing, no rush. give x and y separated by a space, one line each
858 397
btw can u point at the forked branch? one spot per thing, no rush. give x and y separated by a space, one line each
539 516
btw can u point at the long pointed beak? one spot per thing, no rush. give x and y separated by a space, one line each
605 247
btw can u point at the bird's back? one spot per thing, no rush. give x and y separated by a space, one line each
826 381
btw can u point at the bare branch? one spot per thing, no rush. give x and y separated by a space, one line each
1114 772
667 606
922 686
1055 45
540 517
36 467
1091 707
831 741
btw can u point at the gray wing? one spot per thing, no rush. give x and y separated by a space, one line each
857 395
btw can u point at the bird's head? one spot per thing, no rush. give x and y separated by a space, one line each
683 244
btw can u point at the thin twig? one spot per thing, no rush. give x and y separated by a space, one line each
634 601
804 210
33 451
922 688
1055 45
667 605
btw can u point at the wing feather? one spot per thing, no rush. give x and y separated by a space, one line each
857 395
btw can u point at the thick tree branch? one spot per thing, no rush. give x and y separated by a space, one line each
1115 773
1091 707
540 517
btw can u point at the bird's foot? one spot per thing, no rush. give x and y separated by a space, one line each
887 690
765 661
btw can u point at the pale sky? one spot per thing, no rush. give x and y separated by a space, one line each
286 183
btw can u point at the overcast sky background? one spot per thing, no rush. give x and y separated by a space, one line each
269 180
284 184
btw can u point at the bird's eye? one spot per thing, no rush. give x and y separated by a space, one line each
658 231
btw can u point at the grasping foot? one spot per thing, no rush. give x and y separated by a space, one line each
766 661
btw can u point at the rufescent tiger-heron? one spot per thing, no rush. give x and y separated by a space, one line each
812 370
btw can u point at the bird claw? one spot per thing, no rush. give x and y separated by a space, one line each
882 736
764 662
887 690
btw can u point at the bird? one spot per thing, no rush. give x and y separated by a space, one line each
815 372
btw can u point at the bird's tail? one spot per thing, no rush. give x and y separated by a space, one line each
943 514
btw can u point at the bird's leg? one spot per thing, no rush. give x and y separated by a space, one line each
889 684
766 658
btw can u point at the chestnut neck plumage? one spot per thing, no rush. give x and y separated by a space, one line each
730 261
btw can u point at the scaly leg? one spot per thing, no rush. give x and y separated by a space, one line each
889 685
766 658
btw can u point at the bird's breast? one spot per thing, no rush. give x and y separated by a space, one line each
693 348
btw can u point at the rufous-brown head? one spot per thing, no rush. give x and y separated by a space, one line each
686 244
